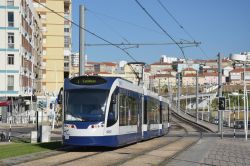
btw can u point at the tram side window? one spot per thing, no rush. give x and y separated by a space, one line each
164 112
153 111
132 110
122 110
113 113
127 110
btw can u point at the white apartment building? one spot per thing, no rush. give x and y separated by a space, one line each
20 49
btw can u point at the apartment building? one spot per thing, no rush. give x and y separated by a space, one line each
237 75
56 42
21 54
20 48
161 82
214 63
158 67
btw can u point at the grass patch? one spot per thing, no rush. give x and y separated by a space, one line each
18 149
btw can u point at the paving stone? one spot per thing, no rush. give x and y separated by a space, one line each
212 152
247 161
208 161
225 158
232 159
216 162
239 164
240 160
231 152
223 163
231 164
246 156
218 157
212 156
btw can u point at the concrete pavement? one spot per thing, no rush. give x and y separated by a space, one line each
215 151
23 131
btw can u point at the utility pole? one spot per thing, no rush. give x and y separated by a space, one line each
178 99
219 92
197 99
81 41
186 97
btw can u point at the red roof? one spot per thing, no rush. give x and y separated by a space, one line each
214 69
93 63
210 74
108 63
147 70
238 70
189 75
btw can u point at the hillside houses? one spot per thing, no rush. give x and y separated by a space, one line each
161 74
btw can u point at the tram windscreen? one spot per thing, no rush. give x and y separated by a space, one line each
85 105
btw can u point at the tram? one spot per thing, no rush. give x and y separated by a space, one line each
110 111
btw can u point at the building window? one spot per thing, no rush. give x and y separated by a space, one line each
10 2
66 41
10 82
11 19
66 30
10 40
10 59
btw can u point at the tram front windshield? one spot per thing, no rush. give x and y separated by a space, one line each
85 105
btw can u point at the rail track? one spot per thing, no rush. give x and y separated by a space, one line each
157 151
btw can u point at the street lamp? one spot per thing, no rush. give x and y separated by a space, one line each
243 58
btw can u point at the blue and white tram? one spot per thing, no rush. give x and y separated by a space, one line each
108 111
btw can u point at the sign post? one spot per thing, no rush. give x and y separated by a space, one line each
222 106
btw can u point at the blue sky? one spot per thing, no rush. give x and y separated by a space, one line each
220 25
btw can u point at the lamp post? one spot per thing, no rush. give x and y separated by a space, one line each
243 58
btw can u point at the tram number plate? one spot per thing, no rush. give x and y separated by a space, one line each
109 131
66 136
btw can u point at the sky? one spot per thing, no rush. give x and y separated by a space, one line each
222 26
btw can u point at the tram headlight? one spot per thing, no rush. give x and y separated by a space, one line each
72 126
96 126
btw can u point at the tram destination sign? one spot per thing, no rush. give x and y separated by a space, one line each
88 80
